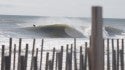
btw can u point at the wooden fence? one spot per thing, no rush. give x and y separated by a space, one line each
69 59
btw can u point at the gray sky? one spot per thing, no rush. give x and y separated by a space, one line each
70 8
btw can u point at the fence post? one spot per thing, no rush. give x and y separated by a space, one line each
2 58
22 62
85 67
19 53
108 58
66 63
117 54
32 60
26 56
122 55
47 60
10 51
60 58
35 60
14 57
75 59
57 54
53 57
81 59
97 47
113 56
71 57
41 54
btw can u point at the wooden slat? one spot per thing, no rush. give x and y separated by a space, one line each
108 58
122 55
19 53
35 60
34 40
113 56
66 63
57 54
47 60
10 51
81 59
22 62
117 54
41 54
14 57
85 67
60 59
53 58
75 54
71 51
2 58
26 56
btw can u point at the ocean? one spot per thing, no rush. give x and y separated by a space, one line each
56 31
56 27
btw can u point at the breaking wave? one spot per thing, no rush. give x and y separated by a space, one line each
56 30
112 31
66 31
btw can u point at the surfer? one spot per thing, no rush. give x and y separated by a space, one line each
34 25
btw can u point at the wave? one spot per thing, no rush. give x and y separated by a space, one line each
66 31
112 31
108 31
56 31
61 31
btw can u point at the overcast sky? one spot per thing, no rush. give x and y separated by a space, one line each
70 8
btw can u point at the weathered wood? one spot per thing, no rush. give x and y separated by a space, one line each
34 40
81 59
122 55
57 54
10 51
35 60
121 60
47 61
85 67
14 57
117 54
53 58
50 64
60 59
75 59
2 58
115 65
112 43
70 68
89 58
41 54
26 56
66 63
68 58
22 62
19 53
7 62
113 56
108 58
8 58
97 48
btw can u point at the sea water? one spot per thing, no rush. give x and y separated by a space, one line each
22 27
